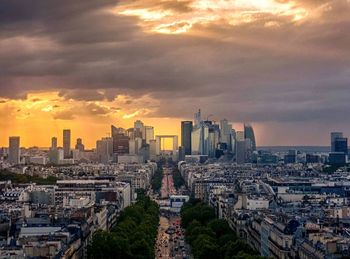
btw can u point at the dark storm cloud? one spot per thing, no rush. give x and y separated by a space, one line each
272 69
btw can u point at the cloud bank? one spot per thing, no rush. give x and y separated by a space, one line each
267 62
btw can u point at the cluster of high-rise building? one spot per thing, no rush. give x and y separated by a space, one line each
212 140
201 140
134 144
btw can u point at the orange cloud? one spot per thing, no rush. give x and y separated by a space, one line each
43 115
159 18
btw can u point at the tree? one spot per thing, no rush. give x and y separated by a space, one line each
106 245
133 237
140 249
233 248
178 180
210 237
156 181
126 227
220 227
223 240
204 247
200 212
197 231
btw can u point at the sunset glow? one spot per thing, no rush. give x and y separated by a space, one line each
281 65
201 12
45 114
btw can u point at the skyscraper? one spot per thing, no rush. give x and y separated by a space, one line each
249 134
104 150
240 147
79 145
53 143
115 130
14 150
149 133
233 141
213 138
66 143
139 129
120 144
186 131
240 136
241 151
138 144
339 149
334 136
226 135
130 133
120 141
225 131
199 140
197 119
341 145
153 149
55 154
248 150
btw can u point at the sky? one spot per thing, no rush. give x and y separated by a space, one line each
283 66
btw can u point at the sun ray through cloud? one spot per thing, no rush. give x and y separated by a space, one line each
232 12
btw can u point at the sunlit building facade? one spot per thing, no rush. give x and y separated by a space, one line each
104 150
139 129
149 133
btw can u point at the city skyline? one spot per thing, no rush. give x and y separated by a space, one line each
42 137
172 129
57 140
280 65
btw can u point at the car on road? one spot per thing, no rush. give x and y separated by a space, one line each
170 230
182 244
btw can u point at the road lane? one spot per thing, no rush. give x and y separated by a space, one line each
170 246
